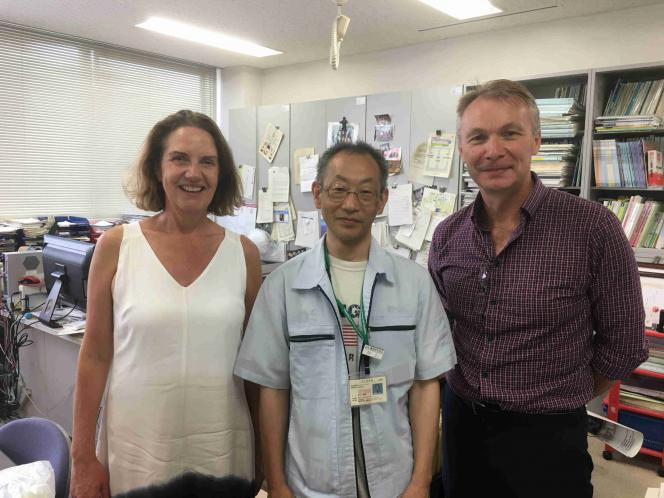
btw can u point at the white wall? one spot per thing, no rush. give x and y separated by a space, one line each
621 37
240 87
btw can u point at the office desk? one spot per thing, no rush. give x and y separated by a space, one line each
48 366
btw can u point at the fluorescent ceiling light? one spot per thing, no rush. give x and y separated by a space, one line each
463 9
206 37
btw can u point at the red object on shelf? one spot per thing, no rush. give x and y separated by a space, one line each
613 406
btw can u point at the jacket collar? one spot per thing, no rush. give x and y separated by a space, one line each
312 270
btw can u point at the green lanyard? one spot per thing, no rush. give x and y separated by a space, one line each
361 331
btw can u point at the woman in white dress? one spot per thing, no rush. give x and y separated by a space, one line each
168 299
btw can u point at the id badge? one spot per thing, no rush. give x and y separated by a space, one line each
367 390
372 352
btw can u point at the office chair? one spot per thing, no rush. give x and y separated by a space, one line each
33 439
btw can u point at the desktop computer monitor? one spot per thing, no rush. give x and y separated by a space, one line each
66 266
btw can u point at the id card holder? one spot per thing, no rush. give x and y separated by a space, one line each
372 352
364 390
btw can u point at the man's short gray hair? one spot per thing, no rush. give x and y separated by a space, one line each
505 90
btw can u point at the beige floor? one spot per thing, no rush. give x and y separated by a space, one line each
622 477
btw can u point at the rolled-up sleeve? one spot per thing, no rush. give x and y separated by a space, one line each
433 340
616 300
264 354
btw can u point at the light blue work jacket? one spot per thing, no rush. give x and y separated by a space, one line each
293 341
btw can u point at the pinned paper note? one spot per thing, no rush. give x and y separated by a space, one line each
440 202
400 205
297 154
416 166
278 181
247 176
413 238
270 143
440 151
265 208
308 229
283 221
308 170
242 221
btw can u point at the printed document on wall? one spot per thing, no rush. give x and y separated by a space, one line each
413 238
400 205
265 207
440 151
247 175
308 229
283 221
416 167
243 220
297 154
440 202
278 183
308 170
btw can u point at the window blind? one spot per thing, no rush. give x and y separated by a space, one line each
74 115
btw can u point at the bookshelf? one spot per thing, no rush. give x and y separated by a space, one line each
630 176
648 421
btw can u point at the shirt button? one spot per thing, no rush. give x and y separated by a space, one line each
485 374
494 302
490 338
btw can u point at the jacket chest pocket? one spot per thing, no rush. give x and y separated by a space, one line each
398 344
312 354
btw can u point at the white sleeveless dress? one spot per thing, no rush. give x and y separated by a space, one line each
173 404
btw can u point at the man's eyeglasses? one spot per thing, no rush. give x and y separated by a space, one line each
339 194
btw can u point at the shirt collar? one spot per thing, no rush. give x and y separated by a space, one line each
529 207
312 271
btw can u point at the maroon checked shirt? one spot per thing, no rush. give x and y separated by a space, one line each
523 321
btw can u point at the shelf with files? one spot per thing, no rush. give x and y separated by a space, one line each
648 421
627 110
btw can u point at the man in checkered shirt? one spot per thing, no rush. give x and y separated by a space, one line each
543 293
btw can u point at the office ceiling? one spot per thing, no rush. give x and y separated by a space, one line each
299 28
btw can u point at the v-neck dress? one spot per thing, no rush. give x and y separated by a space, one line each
173 404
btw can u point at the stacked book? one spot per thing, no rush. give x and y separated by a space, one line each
72 227
469 189
619 124
634 98
34 230
561 121
575 91
642 221
556 164
642 391
560 118
10 237
628 163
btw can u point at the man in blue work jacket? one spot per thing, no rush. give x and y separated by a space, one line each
347 342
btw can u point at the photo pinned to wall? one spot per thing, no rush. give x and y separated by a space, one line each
384 128
270 143
342 132
393 158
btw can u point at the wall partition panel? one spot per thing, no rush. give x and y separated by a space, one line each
242 138
308 129
279 116
435 109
